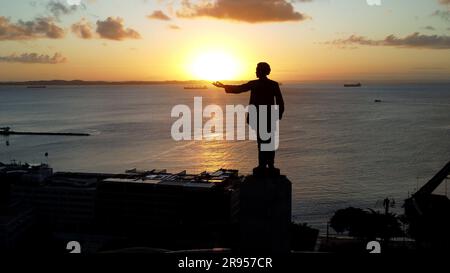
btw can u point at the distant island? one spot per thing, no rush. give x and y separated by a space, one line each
81 82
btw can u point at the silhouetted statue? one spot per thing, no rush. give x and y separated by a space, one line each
263 92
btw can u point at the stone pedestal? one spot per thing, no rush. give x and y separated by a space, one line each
265 213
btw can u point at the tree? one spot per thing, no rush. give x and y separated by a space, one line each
367 224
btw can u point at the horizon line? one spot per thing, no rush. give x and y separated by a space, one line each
192 81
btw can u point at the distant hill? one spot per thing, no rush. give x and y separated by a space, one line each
80 82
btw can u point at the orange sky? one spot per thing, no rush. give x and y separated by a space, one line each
166 40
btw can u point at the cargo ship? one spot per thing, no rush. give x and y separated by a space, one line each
353 84
195 87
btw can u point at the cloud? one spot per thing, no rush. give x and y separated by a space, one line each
33 58
430 28
74 2
250 11
443 14
158 15
83 29
415 40
57 8
444 2
27 30
113 29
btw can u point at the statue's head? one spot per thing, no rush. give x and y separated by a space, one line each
262 70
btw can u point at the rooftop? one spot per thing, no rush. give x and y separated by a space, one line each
89 180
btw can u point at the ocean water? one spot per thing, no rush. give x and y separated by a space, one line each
337 146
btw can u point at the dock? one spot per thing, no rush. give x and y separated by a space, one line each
7 132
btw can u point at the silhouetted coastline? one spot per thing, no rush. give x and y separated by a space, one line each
82 82
160 212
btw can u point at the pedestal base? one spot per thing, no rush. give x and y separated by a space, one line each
265 213
266 172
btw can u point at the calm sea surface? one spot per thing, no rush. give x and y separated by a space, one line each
337 146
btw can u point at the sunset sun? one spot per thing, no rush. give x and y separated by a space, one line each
215 65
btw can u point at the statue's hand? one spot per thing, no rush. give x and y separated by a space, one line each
219 84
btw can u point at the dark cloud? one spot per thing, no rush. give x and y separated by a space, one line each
33 58
83 29
113 29
174 27
158 15
250 11
58 8
415 40
26 30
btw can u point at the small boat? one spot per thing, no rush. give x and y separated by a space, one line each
196 87
377 100
37 86
353 84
